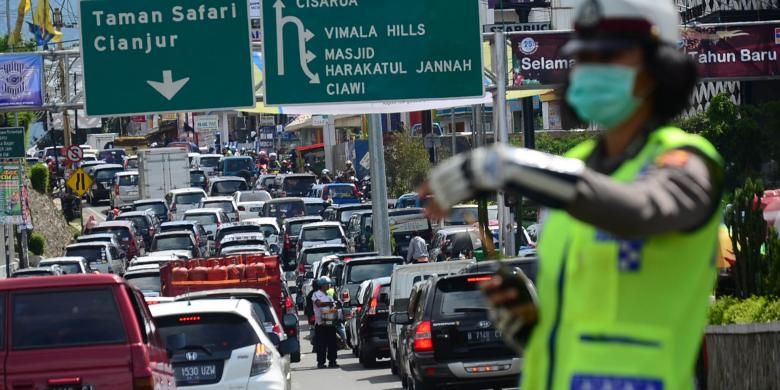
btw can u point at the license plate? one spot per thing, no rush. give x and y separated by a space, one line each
483 336
196 373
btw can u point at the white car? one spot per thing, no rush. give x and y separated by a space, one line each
244 250
249 210
224 203
321 233
145 278
181 200
153 259
242 239
208 163
69 265
219 344
125 189
210 218
252 196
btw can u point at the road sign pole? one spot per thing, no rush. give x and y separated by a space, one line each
499 108
380 218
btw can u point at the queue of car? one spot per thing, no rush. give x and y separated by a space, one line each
178 268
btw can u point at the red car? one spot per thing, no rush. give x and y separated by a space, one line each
86 331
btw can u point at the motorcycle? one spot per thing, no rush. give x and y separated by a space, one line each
365 189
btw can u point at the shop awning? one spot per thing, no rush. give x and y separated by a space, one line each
310 147
301 122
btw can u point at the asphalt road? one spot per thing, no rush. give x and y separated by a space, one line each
97 211
351 375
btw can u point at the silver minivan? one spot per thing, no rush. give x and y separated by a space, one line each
181 200
125 189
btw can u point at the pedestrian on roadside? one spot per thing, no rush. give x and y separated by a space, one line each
418 251
326 316
626 252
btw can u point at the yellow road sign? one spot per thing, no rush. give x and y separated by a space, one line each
79 181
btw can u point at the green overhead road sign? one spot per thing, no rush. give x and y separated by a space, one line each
11 142
145 56
335 51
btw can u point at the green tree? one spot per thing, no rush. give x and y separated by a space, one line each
558 143
406 163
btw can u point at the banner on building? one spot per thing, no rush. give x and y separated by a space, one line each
736 52
207 127
21 81
11 199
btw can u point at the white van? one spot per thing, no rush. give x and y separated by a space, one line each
403 278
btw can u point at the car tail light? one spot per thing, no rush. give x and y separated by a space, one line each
345 295
479 279
262 361
189 319
143 383
374 302
423 342
278 330
289 304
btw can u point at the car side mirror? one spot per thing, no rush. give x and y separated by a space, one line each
400 318
289 321
288 346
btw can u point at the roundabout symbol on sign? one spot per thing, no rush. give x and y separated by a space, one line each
74 154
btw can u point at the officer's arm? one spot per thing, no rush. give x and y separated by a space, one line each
678 193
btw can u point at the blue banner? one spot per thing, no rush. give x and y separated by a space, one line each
21 81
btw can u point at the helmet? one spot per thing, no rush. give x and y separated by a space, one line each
323 281
272 155
349 163
325 171
263 153
618 24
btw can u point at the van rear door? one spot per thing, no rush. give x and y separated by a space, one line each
67 339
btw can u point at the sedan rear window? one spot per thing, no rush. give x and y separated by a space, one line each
66 319
209 162
190 198
172 243
104 175
361 272
228 187
123 233
128 180
312 258
157 208
321 234
203 219
461 295
226 206
147 282
92 254
214 332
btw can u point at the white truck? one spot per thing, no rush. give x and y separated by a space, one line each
162 170
99 141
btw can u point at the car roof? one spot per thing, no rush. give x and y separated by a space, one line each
108 166
199 306
145 213
226 178
72 280
322 224
242 236
362 206
176 233
370 259
313 200
283 200
217 199
204 210
457 229
126 224
147 201
142 268
63 259
183 222
236 157
211 155
98 235
260 221
244 249
87 244
149 258
127 173
186 190
221 293
313 218
251 203
286 175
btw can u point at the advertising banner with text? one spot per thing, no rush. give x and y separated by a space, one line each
11 199
722 52
20 80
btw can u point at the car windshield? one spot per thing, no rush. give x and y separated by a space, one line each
325 233
157 208
224 205
66 318
104 175
298 184
460 295
228 187
268 181
187 227
197 178
238 229
213 331
132 163
92 254
314 209
128 180
189 198
341 192
122 232
238 164
312 258
111 156
209 162
146 282
346 214
139 221
67 268
359 273
172 243
257 196
203 219
462 216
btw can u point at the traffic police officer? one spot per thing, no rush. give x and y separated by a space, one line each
626 251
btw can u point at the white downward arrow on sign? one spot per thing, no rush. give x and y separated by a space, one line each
168 88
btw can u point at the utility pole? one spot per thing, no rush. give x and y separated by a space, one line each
502 136
64 92
380 219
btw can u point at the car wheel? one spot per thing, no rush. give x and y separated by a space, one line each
366 358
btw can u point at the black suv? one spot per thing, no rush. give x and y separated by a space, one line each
449 339
369 339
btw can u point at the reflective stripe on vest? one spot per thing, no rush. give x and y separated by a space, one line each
618 313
